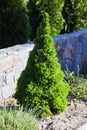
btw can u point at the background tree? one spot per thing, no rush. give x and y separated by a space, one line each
53 8
74 13
14 22
41 85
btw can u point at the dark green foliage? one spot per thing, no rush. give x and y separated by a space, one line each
42 84
68 16
35 17
14 23
53 8
74 13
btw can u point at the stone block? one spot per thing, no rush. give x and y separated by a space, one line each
72 47
7 91
25 50
83 127
23 54
15 60
2 80
17 71
24 62
2 55
9 78
8 62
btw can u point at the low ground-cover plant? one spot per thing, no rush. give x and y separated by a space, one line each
18 120
78 85
42 83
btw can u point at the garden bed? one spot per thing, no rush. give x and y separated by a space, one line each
74 117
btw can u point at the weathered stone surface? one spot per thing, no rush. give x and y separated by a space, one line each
72 50
2 80
17 71
84 60
8 62
7 90
9 78
2 55
23 54
83 127
12 62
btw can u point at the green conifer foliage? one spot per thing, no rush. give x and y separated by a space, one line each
53 8
14 23
41 85
74 13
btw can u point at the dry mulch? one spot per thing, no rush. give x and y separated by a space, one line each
74 117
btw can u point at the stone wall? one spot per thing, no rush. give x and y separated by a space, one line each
12 61
71 51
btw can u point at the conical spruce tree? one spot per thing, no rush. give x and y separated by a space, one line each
53 8
74 13
14 23
41 85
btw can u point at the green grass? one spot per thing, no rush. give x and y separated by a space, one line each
18 120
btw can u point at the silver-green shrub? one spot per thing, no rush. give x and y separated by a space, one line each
78 85
17 120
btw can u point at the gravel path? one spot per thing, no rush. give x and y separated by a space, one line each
74 117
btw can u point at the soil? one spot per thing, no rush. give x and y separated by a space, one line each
74 117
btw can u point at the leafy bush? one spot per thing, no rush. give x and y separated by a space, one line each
74 13
17 120
53 8
14 23
41 85
78 85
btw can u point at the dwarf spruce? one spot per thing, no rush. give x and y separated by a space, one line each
41 85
